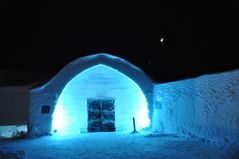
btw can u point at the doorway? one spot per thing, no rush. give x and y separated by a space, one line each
101 115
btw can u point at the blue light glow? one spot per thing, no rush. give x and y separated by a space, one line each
71 116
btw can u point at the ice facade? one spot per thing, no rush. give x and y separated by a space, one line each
60 105
99 82
206 107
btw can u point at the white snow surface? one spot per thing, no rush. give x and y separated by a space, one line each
117 145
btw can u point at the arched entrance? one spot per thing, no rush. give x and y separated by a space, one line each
99 79
100 99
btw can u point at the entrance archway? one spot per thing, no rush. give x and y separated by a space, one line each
101 83
53 93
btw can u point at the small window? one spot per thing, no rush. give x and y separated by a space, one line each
45 109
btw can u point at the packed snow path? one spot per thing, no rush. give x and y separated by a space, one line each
116 145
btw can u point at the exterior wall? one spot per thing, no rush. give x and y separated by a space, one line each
14 105
40 124
206 107
101 82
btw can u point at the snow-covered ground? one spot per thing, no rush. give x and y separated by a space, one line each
117 145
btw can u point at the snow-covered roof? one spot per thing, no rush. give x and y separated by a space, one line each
80 64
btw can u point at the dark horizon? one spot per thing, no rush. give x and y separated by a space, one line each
46 38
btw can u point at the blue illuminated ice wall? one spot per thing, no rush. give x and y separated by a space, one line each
205 107
100 81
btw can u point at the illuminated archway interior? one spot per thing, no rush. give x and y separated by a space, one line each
99 82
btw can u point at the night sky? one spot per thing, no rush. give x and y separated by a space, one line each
43 38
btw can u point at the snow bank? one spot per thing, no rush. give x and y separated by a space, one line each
13 131
206 107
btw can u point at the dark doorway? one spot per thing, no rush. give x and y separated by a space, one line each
101 115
